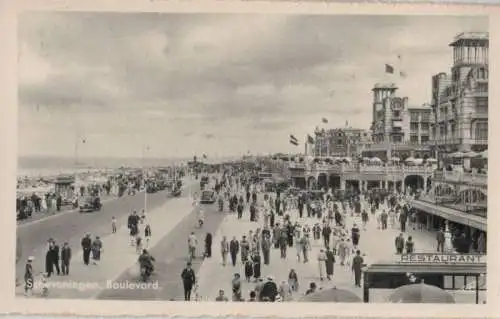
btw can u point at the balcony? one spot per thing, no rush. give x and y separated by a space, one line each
480 115
481 142
367 169
461 178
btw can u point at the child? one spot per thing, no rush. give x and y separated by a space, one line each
138 244
147 234
113 224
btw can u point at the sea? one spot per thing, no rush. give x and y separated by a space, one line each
38 166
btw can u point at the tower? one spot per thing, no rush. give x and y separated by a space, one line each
381 92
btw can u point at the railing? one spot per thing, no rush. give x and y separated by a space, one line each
461 177
354 168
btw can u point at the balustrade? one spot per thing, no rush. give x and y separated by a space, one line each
461 177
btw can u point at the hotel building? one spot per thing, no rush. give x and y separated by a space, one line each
340 142
460 99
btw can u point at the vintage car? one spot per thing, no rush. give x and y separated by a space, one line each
207 197
90 204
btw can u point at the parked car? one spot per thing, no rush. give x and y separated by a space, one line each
207 197
203 181
90 204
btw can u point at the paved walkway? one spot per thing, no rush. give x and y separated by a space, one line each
118 255
378 245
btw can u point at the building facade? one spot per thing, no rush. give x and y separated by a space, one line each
340 142
420 121
460 99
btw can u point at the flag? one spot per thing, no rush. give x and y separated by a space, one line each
402 74
204 155
389 69
346 123
399 57
84 141
310 139
293 140
324 120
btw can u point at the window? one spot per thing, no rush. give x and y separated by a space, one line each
413 127
482 87
396 114
424 126
424 138
482 105
481 132
414 139
339 142
396 139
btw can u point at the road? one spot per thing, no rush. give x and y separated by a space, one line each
71 226
171 257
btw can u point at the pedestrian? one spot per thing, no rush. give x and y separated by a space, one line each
192 243
326 232
236 287
266 249
342 251
364 218
221 296
244 248
208 245
86 244
293 280
188 280
285 291
383 219
96 250
28 277
256 266
329 262
248 270
440 241
321 264
306 246
232 248
403 219
65 258
410 245
357 265
147 234
399 243
283 242
113 224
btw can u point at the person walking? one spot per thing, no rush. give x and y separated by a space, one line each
234 248
65 258
326 232
440 241
188 280
399 243
357 265
208 245
410 245
86 244
244 248
96 250
329 262
321 264
266 249
293 280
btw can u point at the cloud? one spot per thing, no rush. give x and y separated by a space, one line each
210 79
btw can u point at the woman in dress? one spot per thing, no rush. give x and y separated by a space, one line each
96 250
293 280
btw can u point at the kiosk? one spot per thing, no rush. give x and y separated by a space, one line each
439 270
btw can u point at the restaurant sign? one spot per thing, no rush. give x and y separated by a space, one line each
462 259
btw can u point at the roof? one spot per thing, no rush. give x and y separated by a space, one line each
457 269
464 36
391 86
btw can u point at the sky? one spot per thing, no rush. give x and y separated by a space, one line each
178 85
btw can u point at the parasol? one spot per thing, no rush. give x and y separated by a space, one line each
420 293
471 154
457 154
332 295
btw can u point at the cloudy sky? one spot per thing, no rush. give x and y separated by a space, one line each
187 84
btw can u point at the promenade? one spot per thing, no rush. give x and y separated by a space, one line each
376 244
72 226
